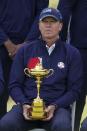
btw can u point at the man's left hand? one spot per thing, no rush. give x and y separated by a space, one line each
50 112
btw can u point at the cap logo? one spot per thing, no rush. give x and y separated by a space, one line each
46 10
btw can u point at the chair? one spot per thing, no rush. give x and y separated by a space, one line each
73 114
38 129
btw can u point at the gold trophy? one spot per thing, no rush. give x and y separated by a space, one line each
38 104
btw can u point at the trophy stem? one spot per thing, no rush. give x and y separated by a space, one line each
38 81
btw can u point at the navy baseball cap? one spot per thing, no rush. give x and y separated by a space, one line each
50 12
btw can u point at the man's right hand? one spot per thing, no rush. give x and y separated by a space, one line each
26 109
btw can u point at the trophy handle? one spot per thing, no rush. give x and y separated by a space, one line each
51 71
27 72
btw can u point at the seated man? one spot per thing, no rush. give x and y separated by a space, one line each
58 91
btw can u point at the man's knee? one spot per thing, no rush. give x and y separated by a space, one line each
8 125
61 126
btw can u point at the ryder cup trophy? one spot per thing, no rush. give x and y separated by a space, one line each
38 105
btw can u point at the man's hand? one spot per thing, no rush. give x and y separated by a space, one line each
26 109
50 112
11 48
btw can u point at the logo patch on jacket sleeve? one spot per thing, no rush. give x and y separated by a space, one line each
61 65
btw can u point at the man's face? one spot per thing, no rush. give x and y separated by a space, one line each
49 27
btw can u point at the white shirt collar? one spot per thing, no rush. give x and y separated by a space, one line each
51 48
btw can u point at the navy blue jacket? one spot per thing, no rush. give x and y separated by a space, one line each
61 88
1 80
19 19
78 26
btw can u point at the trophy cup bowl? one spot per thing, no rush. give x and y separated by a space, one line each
38 105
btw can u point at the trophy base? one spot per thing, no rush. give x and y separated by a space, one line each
37 117
37 112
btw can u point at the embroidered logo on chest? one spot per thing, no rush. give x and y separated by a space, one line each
61 65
